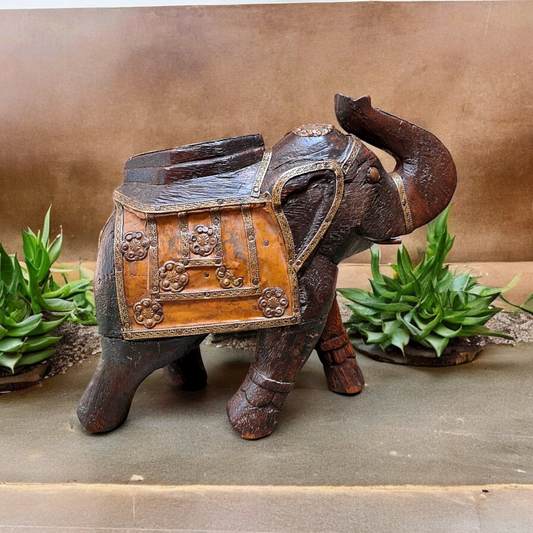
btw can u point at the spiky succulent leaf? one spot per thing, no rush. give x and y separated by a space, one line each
10 344
25 327
34 357
427 303
35 344
9 360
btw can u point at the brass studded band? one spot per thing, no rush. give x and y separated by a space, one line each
408 218
261 173
354 146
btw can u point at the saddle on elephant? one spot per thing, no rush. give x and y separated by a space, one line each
201 242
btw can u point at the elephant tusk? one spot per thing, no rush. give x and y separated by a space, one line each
396 240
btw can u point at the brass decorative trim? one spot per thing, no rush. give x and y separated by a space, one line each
407 216
215 220
260 323
153 259
143 208
282 219
279 215
184 235
134 246
251 244
227 278
353 150
207 262
148 313
261 173
173 277
119 268
202 240
313 130
273 302
241 292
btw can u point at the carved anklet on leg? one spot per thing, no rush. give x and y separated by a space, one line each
254 409
343 374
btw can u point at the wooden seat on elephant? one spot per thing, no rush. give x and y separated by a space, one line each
222 156
177 179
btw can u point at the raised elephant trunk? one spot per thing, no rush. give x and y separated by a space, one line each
425 173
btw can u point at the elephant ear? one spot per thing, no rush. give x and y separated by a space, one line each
306 201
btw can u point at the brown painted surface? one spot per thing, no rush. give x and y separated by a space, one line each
84 90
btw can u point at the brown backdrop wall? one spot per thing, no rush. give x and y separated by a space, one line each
82 90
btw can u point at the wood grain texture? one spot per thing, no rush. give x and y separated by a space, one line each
336 353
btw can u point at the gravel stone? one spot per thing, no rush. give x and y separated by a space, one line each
76 345
518 325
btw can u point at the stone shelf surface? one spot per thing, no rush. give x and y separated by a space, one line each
217 509
413 452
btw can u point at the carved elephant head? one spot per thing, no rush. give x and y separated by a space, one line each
377 206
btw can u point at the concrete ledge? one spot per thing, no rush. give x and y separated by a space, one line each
110 508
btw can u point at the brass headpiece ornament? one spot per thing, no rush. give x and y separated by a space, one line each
313 130
407 216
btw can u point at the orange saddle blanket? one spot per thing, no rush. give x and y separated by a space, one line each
186 267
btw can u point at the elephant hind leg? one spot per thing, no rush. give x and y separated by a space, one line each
336 353
187 373
123 366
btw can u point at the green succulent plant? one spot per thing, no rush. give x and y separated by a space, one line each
32 304
526 307
427 304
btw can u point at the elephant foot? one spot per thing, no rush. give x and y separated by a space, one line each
343 374
254 410
187 373
106 402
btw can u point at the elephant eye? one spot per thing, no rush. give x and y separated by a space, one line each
373 174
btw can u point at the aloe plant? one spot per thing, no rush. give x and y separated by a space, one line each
427 304
32 304
526 307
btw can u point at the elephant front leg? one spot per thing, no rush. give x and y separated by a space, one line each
281 352
123 366
336 353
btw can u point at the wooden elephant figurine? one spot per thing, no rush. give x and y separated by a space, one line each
229 236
